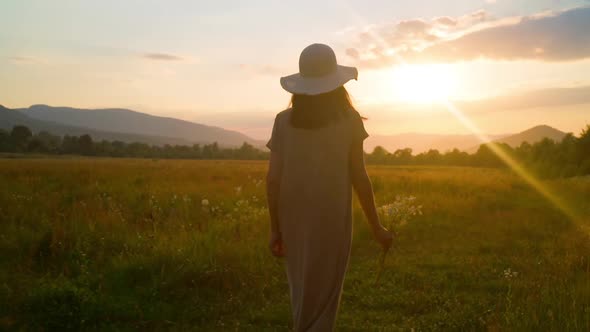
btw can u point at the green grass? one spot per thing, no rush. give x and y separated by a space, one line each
102 244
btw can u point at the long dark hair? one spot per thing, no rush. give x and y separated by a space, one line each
311 112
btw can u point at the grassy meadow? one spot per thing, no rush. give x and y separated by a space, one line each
116 244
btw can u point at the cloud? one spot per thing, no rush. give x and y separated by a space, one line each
445 21
21 59
560 37
353 53
547 36
377 43
162 57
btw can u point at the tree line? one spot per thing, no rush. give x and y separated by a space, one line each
21 140
545 158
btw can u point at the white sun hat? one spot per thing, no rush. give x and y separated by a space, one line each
318 72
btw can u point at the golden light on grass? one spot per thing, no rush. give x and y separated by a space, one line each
517 167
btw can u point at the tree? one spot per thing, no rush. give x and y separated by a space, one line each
486 154
85 145
456 158
36 145
379 155
196 151
566 150
583 144
246 151
20 136
210 151
583 151
403 156
5 142
69 144
52 143
138 150
433 156
118 149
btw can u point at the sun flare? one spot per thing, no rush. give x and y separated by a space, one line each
423 84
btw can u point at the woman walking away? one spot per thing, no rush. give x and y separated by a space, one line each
316 158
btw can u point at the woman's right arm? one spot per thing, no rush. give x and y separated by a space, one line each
273 188
364 190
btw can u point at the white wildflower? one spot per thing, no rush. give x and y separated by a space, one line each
395 215
509 274
400 211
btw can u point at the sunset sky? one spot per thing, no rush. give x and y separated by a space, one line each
508 65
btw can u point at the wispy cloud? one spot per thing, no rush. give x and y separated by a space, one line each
23 59
559 37
379 43
162 57
547 36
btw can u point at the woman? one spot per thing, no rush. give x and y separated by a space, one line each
316 158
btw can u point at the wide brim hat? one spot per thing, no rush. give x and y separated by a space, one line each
319 72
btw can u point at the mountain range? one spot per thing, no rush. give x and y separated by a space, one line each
120 124
469 143
533 135
131 126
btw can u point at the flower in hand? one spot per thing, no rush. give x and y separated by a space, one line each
394 216
384 237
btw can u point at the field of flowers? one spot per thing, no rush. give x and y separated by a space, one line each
114 244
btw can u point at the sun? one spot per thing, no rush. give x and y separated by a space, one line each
423 84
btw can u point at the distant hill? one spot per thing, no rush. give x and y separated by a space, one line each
10 118
469 143
423 142
136 123
533 135
130 126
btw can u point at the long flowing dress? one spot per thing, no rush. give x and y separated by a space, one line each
315 214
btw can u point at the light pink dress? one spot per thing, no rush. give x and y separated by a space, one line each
315 214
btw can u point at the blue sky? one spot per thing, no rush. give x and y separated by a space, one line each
204 59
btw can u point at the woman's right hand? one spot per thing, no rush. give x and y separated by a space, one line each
276 244
383 236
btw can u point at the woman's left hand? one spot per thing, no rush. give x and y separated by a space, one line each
276 244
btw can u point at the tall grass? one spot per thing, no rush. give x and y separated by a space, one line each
127 244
